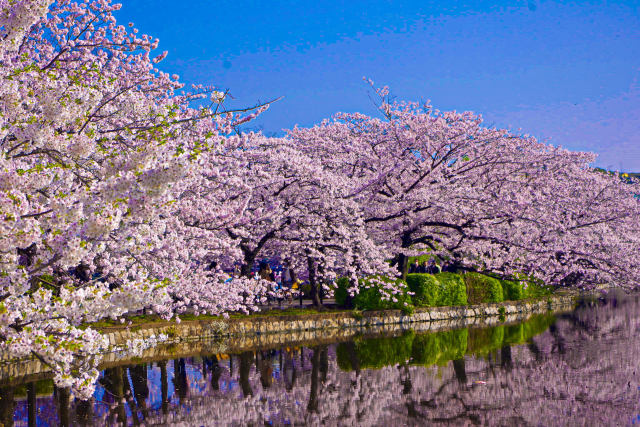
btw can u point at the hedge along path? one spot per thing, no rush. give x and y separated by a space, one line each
435 290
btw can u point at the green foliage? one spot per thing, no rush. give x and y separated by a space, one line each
537 290
452 289
305 288
340 292
43 388
423 258
485 340
537 324
512 290
439 348
481 288
370 295
426 289
375 353
533 288
523 287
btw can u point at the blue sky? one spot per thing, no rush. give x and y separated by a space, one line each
567 72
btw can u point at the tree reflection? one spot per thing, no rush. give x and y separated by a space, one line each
63 398
312 405
289 371
138 374
211 363
180 383
113 383
84 412
164 387
7 405
266 371
245 369
32 405
460 370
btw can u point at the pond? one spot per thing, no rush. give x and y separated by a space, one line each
575 368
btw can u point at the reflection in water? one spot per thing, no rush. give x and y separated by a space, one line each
580 368
7 405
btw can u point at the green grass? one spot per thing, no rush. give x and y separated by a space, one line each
135 322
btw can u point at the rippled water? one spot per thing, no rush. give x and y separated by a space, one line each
581 368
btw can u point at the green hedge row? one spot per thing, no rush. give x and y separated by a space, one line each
372 294
436 290
481 288
437 348
524 287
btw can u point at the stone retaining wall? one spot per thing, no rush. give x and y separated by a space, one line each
193 338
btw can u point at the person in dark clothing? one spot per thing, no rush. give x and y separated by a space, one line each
415 267
424 268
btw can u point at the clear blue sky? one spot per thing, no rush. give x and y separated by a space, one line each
565 71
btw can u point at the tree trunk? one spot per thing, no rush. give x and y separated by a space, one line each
403 266
249 260
314 295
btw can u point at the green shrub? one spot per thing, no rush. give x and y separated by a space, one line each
481 288
523 287
340 292
370 295
512 290
533 288
305 288
375 353
439 348
425 287
452 289
536 289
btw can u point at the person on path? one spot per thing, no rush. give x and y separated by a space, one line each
415 267
288 279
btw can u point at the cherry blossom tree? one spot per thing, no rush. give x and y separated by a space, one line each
261 197
482 198
94 141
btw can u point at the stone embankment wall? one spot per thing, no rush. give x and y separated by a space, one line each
205 337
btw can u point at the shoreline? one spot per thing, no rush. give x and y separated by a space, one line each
260 332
